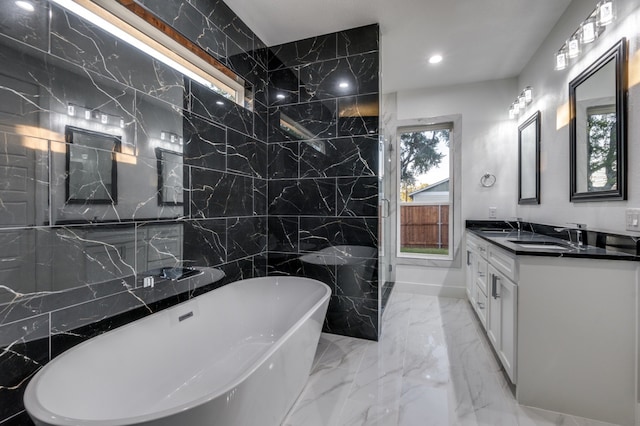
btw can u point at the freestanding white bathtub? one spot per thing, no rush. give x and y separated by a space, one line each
239 355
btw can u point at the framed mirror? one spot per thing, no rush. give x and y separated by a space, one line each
170 178
529 160
92 176
598 108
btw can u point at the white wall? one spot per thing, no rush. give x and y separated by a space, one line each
489 138
551 97
488 144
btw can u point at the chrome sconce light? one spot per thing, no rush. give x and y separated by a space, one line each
95 115
518 106
588 31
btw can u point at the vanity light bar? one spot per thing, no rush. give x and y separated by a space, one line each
588 31
117 20
524 98
92 114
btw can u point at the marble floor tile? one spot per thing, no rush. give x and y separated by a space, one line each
579 421
422 404
343 352
322 399
358 413
433 365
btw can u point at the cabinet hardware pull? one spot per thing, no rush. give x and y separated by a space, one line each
468 258
494 287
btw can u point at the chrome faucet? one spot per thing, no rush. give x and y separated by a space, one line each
578 227
518 223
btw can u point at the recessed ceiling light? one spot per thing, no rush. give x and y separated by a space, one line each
25 5
343 85
280 96
435 59
219 103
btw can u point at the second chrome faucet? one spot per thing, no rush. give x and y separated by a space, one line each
578 228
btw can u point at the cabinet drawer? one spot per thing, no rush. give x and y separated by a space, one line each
503 262
480 305
477 244
481 274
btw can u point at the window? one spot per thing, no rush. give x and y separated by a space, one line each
426 192
602 156
135 25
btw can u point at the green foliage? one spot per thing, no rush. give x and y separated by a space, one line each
418 155
602 150
441 251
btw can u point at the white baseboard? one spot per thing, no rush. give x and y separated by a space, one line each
431 290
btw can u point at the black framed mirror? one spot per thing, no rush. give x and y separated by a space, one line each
92 176
170 178
529 160
598 134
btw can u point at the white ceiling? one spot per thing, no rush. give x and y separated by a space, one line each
479 39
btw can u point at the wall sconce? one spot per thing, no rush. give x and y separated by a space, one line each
573 47
91 114
561 59
588 31
524 98
171 137
606 13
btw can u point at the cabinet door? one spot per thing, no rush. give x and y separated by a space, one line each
508 335
494 309
480 305
470 274
501 319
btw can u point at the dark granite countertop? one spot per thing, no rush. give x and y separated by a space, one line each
543 240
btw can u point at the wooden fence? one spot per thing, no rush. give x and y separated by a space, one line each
424 226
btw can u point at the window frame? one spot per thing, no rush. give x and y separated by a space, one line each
446 125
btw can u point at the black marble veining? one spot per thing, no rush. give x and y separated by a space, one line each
25 350
192 24
303 197
303 121
246 155
191 178
201 181
284 160
358 40
358 115
358 196
317 233
351 156
595 244
340 77
323 170
305 51
351 316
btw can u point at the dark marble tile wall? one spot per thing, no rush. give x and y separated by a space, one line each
323 171
70 271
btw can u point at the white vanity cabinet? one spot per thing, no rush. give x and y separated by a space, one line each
476 276
563 327
502 319
492 290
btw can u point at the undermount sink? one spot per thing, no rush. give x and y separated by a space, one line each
541 245
497 232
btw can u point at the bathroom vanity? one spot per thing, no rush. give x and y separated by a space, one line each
560 317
